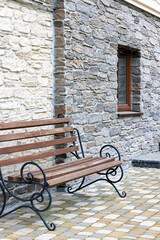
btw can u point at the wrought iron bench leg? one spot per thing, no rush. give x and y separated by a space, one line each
110 151
29 202
106 175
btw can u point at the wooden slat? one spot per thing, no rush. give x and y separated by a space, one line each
32 157
52 174
63 168
60 168
37 145
34 123
78 174
40 133
52 168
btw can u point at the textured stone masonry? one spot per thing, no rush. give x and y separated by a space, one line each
26 60
42 4
26 64
91 32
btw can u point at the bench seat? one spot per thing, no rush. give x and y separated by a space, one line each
65 172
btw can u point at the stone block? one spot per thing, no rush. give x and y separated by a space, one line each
14 5
94 118
59 4
6 25
59 14
89 128
105 2
59 109
58 23
59 31
115 131
83 7
29 17
27 80
60 42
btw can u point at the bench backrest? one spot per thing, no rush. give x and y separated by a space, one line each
26 130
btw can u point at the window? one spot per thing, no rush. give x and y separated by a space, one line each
129 81
124 80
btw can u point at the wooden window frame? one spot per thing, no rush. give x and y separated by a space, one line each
127 106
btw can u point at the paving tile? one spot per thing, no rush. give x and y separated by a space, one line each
24 231
46 237
147 223
90 238
85 233
112 216
91 220
5 239
95 213
98 225
79 227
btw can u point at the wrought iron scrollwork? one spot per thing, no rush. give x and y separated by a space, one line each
76 132
116 173
73 190
111 151
4 199
107 151
38 196
80 186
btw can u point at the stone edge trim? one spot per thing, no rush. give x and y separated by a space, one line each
153 7
129 114
59 74
146 164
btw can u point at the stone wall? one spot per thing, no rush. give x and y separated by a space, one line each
26 67
26 60
86 66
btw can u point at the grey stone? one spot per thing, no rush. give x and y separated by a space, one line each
100 34
85 19
94 118
106 2
115 131
146 97
82 7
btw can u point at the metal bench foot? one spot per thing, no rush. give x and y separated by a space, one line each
36 196
51 226
113 172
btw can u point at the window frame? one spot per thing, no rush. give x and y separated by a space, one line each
127 106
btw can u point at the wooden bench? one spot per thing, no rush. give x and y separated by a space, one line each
40 139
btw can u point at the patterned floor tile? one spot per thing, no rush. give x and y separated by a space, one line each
96 213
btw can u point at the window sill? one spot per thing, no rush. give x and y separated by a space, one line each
129 114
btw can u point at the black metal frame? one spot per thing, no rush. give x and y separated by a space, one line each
109 172
37 196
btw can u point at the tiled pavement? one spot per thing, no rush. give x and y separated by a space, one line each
96 212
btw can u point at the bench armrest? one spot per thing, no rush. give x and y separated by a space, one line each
110 151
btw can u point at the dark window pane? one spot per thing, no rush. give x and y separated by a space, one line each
122 79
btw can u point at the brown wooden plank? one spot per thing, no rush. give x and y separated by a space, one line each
40 133
34 123
52 168
32 157
37 145
78 174
62 168
72 168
